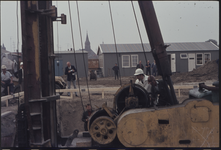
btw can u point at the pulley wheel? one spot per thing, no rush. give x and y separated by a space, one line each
98 113
103 130
123 92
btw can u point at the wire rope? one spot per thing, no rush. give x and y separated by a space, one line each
58 47
139 31
114 40
83 52
17 28
74 52
59 129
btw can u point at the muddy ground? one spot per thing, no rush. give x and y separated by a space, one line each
69 111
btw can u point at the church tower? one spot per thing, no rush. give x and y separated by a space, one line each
87 43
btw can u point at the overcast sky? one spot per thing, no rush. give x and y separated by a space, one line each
180 21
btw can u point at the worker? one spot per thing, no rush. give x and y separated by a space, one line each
6 80
149 83
148 68
154 88
142 79
86 115
70 71
20 75
116 69
140 65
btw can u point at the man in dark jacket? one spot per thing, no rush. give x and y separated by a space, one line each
140 65
86 115
70 71
20 75
148 66
116 69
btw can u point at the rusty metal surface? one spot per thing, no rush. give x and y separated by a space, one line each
29 66
37 48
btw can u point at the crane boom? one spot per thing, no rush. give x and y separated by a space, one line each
158 48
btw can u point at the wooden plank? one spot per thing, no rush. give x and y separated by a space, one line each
65 97
90 89
107 89
4 98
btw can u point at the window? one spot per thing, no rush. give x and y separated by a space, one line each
207 57
183 56
134 60
125 61
199 59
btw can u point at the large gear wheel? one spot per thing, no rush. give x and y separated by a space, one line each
103 130
124 92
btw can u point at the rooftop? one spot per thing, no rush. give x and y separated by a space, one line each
187 46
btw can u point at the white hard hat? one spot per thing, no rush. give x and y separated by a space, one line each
138 72
4 67
21 63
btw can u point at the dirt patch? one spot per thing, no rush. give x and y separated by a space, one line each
208 71
70 111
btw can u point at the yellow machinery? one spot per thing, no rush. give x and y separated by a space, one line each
193 123
137 121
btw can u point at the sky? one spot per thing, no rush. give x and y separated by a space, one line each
179 21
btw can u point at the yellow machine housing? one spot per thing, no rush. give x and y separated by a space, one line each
194 123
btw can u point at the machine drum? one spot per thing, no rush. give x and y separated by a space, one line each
124 99
103 130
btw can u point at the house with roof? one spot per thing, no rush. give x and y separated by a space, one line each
183 57
8 59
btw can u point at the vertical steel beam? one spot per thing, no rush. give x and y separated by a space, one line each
47 72
158 48
38 52
30 51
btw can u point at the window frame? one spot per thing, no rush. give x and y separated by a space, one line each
183 57
132 60
123 61
202 58
205 57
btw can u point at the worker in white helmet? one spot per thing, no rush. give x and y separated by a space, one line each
6 80
149 83
142 79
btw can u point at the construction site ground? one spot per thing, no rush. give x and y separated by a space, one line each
69 111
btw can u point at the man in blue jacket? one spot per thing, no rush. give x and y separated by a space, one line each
70 71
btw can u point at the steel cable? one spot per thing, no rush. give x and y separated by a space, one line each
139 32
58 46
74 52
114 40
83 52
